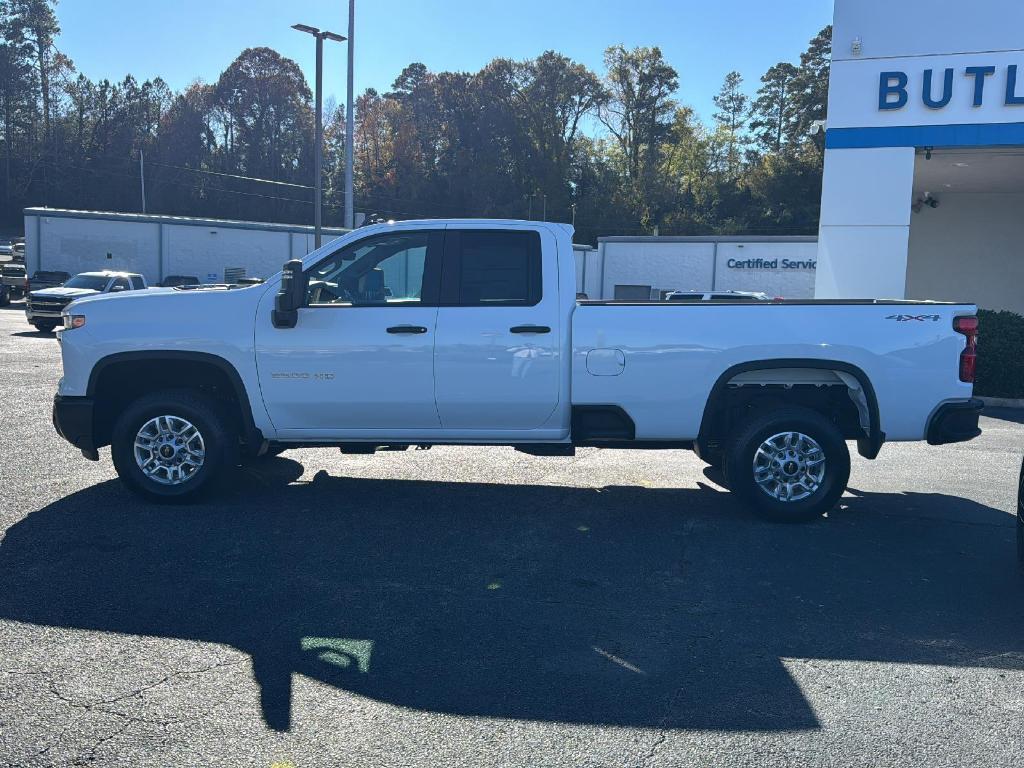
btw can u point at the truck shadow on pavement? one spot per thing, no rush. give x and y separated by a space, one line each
620 606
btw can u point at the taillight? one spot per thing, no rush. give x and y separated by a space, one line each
968 326
27 284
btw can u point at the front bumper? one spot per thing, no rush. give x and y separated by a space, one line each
73 420
955 422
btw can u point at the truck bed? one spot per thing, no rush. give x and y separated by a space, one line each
662 360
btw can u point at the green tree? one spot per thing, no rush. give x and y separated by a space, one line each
810 87
773 111
638 114
267 100
731 118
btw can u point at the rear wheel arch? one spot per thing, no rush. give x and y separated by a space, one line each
125 376
715 423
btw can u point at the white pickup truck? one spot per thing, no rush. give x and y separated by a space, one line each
469 332
44 307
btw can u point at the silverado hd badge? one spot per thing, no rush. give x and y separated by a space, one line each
302 375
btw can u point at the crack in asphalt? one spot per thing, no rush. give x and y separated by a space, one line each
101 706
672 701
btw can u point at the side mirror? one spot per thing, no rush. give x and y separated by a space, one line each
291 295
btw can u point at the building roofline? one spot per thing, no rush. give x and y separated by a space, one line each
188 221
708 239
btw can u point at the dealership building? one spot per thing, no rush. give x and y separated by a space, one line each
923 189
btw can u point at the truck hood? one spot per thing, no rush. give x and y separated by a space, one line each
62 293
177 303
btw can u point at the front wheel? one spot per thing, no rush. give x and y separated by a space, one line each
172 446
791 465
45 327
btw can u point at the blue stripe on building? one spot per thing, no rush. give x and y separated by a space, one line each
966 135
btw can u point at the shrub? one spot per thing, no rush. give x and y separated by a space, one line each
1000 354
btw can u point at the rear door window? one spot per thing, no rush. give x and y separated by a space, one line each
491 268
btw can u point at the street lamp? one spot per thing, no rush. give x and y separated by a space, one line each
318 145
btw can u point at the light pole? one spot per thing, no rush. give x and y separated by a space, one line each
350 122
318 141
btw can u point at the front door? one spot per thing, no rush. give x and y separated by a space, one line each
361 355
496 356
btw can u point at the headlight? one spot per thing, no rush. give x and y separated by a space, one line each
73 321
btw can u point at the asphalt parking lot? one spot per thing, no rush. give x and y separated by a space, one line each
482 607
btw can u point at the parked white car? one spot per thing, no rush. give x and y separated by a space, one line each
43 308
469 332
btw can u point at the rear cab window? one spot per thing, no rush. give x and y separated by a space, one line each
491 268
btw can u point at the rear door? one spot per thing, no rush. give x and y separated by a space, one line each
496 352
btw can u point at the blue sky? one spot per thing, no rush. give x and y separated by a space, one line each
182 40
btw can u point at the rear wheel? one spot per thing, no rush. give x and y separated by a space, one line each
45 327
791 465
172 446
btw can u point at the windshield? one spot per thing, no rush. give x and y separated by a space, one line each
91 282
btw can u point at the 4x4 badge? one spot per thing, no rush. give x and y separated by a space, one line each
918 318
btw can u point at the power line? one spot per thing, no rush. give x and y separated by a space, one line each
178 183
232 175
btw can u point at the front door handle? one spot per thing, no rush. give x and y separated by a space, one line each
407 329
529 329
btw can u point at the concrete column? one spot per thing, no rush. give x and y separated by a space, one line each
865 223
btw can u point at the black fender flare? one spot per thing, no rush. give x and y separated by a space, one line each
252 435
867 446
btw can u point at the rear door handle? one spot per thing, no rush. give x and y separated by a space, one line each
407 329
529 329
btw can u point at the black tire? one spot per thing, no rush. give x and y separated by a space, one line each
220 442
45 327
739 465
5 298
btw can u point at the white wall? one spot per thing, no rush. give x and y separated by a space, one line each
890 28
791 278
80 245
669 265
970 248
787 267
157 249
865 223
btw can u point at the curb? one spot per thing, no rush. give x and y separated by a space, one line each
1003 402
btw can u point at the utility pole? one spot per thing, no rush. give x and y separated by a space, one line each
318 146
350 121
142 179
318 140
